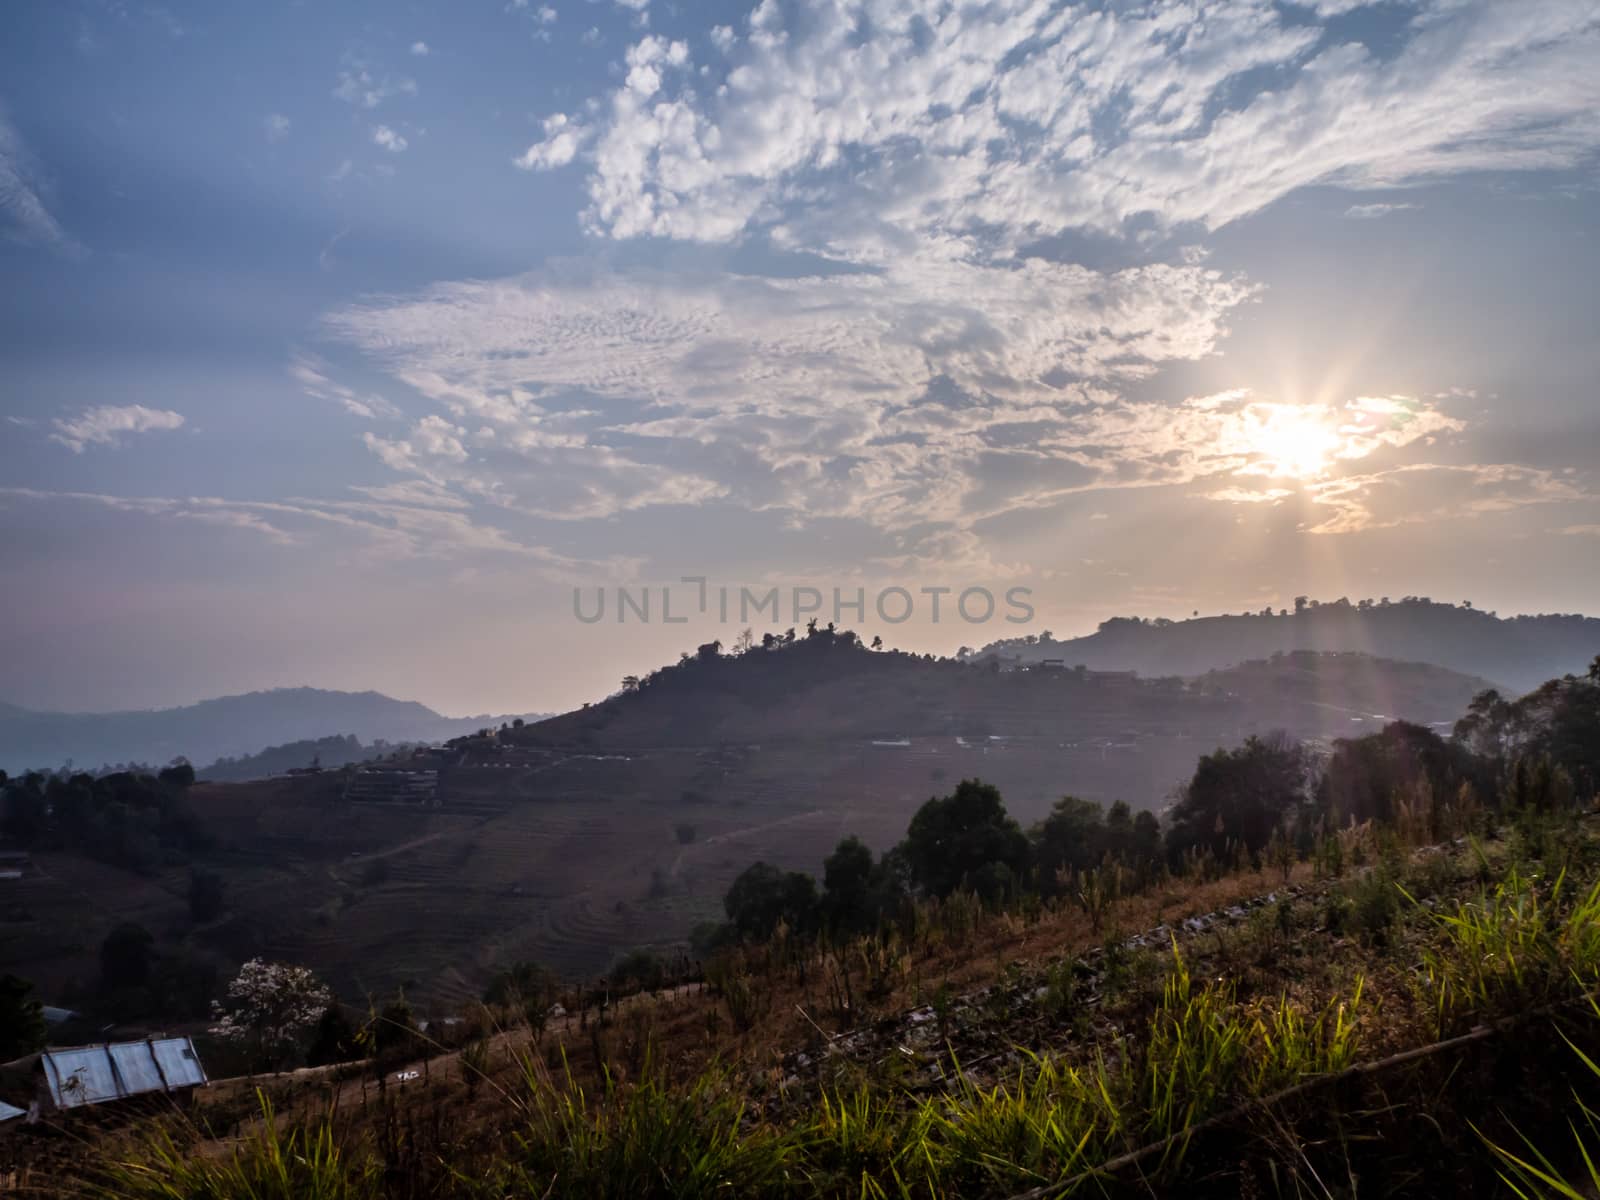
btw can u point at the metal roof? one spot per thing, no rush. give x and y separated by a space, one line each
10 1112
95 1074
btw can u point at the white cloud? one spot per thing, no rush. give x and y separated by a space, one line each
546 15
1003 122
1368 212
420 49
563 138
311 373
22 207
1336 8
1428 493
106 424
391 141
855 394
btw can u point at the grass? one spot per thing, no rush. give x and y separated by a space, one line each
1155 1070
1511 949
1529 1172
306 1163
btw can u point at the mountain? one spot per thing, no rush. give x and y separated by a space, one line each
230 726
1517 652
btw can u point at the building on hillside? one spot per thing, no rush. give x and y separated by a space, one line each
87 1075
1052 664
390 784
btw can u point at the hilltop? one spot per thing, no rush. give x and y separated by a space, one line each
1519 652
226 727
828 686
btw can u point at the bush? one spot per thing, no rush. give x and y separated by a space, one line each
639 968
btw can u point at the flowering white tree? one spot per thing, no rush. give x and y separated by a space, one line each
269 1005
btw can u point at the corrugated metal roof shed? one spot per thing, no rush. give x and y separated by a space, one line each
95 1074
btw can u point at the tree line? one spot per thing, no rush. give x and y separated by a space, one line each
1267 800
138 820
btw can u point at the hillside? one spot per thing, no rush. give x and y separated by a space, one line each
828 688
227 727
1220 1032
1518 652
621 825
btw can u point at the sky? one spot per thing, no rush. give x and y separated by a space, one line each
379 345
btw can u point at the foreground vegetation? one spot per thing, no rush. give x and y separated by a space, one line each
1389 1029
1380 977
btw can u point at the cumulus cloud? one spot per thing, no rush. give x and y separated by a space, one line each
391 141
562 138
420 49
106 425
276 127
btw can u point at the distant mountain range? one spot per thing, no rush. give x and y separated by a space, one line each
228 727
1516 652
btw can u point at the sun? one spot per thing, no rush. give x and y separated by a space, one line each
1292 441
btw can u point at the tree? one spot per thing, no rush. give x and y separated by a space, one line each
1071 838
847 886
180 775
1365 776
952 839
394 1031
1488 728
268 1006
126 955
22 1028
1239 796
205 895
525 989
762 896
336 1040
641 968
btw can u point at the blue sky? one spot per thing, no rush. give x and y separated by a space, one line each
342 341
